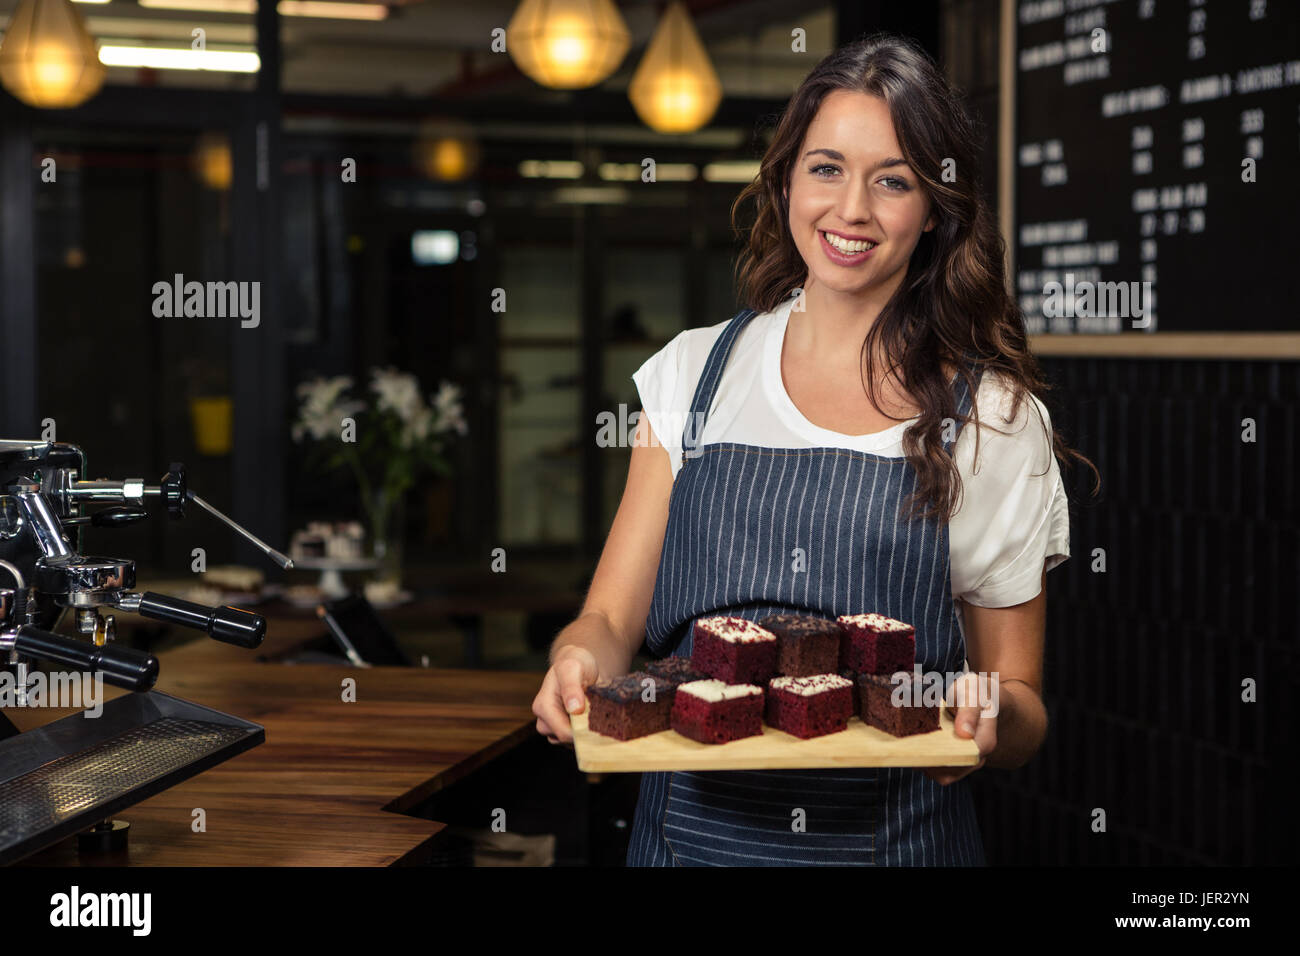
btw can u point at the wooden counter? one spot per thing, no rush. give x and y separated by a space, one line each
329 785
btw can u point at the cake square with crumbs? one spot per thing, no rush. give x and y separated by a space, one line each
810 706
715 712
734 650
630 706
876 644
805 644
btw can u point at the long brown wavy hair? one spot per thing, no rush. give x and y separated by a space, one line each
953 304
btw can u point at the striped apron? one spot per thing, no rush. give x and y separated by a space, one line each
755 531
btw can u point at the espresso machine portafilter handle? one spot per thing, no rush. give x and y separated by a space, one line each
230 625
121 666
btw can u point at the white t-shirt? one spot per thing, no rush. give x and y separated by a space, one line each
1013 519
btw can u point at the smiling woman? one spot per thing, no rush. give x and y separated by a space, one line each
868 212
876 150
864 211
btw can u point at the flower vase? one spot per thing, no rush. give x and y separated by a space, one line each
387 542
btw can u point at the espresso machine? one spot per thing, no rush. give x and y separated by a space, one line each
72 775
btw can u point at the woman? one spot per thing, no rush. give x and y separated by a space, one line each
822 468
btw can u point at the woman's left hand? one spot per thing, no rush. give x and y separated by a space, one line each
969 721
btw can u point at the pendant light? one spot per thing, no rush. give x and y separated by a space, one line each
213 161
567 44
48 58
675 88
446 150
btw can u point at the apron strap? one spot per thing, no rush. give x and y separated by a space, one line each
707 386
709 379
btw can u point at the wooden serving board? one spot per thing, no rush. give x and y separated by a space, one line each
859 745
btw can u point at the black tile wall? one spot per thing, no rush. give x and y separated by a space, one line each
1145 661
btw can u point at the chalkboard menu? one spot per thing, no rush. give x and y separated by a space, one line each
1157 165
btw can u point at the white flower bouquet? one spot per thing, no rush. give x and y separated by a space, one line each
387 440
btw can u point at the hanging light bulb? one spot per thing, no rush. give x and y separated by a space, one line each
48 58
567 44
675 88
213 161
446 150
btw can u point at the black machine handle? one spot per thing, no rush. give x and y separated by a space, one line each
117 517
227 624
174 489
121 666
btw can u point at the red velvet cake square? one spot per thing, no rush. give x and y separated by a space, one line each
618 707
877 707
875 644
714 712
805 644
810 706
734 650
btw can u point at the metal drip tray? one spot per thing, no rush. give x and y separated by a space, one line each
68 775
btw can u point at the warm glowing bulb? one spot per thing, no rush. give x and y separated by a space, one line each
215 164
678 103
48 58
567 44
450 159
446 151
675 88
53 70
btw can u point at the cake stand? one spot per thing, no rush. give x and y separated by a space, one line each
331 576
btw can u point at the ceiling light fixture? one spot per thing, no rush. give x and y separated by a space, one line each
675 88
48 56
164 58
567 44
318 9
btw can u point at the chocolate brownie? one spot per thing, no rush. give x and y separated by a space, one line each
734 650
810 706
875 644
877 708
618 706
675 670
805 644
714 712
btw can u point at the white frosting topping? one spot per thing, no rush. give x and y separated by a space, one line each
877 622
736 630
807 686
716 690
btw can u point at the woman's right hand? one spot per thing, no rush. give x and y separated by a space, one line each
604 638
564 692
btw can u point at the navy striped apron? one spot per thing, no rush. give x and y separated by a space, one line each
755 531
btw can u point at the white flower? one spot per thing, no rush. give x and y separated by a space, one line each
399 392
322 392
323 407
418 428
447 407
